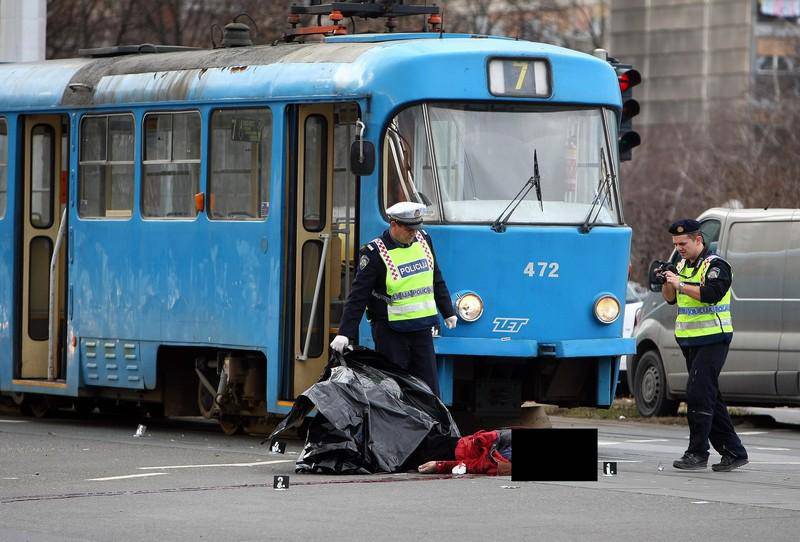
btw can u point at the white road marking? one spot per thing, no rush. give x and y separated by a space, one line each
13 421
606 443
701 502
775 449
752 433
649 440
256 464
124 477
11 478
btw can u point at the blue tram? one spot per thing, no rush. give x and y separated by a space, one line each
178 227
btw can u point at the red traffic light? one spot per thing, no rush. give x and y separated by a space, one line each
628 79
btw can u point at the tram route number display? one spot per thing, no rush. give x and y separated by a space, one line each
522 77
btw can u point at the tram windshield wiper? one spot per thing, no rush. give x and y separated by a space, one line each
499 224
603 189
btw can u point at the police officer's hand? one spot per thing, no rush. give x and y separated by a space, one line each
451 322
339 343
672 279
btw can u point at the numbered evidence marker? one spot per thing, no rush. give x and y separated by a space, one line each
277 447
280 482
609 468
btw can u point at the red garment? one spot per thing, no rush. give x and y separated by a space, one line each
477 453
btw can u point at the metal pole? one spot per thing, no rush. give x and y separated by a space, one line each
320 276
348 178
53 336
611 165
434 165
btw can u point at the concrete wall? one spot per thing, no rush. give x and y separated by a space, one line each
23 26
691 53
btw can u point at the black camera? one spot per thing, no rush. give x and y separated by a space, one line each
659 270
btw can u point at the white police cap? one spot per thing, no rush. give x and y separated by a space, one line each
407 213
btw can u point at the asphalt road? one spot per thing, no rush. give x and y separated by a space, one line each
66 479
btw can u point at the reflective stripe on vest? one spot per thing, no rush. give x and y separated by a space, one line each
703 324
698 319
409 282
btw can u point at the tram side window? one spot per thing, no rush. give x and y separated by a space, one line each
171 166
3 165
106 166
241 149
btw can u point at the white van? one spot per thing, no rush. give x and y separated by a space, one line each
763 364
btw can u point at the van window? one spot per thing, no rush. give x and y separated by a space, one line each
710 230
241 146
171 166
3 165
105 183
757 250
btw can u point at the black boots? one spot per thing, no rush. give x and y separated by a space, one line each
728 463
690 462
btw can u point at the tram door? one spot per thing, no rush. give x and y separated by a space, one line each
325 234
44 200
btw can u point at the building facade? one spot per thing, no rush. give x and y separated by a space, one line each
695 55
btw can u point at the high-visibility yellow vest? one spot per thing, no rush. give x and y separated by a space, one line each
410 305
698 319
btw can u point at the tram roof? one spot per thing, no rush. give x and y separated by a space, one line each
396 67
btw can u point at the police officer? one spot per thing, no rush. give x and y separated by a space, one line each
401 286
704 330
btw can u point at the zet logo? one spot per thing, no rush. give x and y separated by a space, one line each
508 325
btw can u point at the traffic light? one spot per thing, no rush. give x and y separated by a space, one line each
628 139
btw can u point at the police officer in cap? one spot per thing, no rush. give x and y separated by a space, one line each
401 286
704 330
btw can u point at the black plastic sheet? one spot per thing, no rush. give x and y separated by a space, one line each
371 417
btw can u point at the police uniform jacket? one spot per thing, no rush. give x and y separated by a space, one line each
717 281
369 287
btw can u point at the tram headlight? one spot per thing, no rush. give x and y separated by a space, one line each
606 309
469 306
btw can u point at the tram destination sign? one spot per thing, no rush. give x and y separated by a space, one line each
523 77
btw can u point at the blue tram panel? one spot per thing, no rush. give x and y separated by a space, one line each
156 304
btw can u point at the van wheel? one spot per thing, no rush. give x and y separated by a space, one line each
650 387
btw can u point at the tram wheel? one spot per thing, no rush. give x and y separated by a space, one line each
39 407
229 426
83 407
205 401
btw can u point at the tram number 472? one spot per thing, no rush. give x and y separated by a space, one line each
542 269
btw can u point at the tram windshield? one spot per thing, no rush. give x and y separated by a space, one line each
467 162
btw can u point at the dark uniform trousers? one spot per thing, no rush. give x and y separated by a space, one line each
707 413
412 351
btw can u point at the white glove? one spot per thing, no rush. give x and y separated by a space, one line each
451 322
339 343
